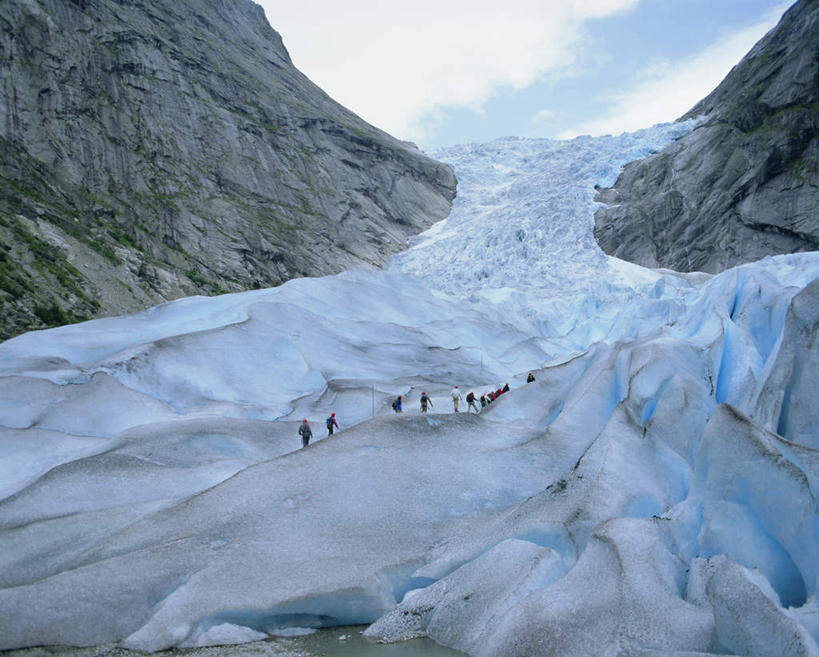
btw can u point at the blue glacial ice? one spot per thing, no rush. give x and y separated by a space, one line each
653 492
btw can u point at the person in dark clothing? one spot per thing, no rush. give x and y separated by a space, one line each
425 400
506 387
331 422
305 432
396 405
483 401
530 378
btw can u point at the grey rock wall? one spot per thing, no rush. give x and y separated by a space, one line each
153 149
744 183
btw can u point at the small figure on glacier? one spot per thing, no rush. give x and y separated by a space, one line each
396 405
490 396
425 400
305 432
506 387
331 422
456 397
530 378
484 403
470 400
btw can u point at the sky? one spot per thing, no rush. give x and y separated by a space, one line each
445 72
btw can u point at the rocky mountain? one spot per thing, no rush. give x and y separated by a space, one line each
745 182
154 149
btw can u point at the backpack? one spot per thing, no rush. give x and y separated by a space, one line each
329 422
470 397
395 404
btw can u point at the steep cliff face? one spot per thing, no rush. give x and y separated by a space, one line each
743 184
153 149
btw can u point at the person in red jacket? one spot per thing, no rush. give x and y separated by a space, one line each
331 422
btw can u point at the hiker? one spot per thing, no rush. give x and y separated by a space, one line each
498 392
484 403
470 399
396 405
530 378
331 422
490 396
305 432
456 396
506 387
424 401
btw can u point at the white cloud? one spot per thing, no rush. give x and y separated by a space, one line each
395 64
543 115
666 90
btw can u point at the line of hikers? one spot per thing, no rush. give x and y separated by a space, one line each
426 403
484 399
306 432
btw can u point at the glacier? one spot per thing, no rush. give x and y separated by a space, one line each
652 492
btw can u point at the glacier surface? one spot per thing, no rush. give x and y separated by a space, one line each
652 492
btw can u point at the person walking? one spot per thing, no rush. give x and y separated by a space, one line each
484 403
424 401
506 387
305 432
396 405
456 397
530 378
331 422
470 399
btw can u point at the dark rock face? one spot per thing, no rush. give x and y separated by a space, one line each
155 149
744 183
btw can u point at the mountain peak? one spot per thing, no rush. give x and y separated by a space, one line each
153 150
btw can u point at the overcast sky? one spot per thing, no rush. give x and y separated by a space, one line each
443 72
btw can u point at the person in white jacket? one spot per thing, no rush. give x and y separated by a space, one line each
456 396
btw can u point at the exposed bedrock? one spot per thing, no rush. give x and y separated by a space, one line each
153 150
744 183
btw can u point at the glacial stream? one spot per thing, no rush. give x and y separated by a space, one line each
331 642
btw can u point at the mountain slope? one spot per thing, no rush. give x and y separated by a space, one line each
745 183
156 149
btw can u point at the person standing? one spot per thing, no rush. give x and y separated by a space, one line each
456 397
305 432
424 401
470 399
331 422
396 405
484 403
530 378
